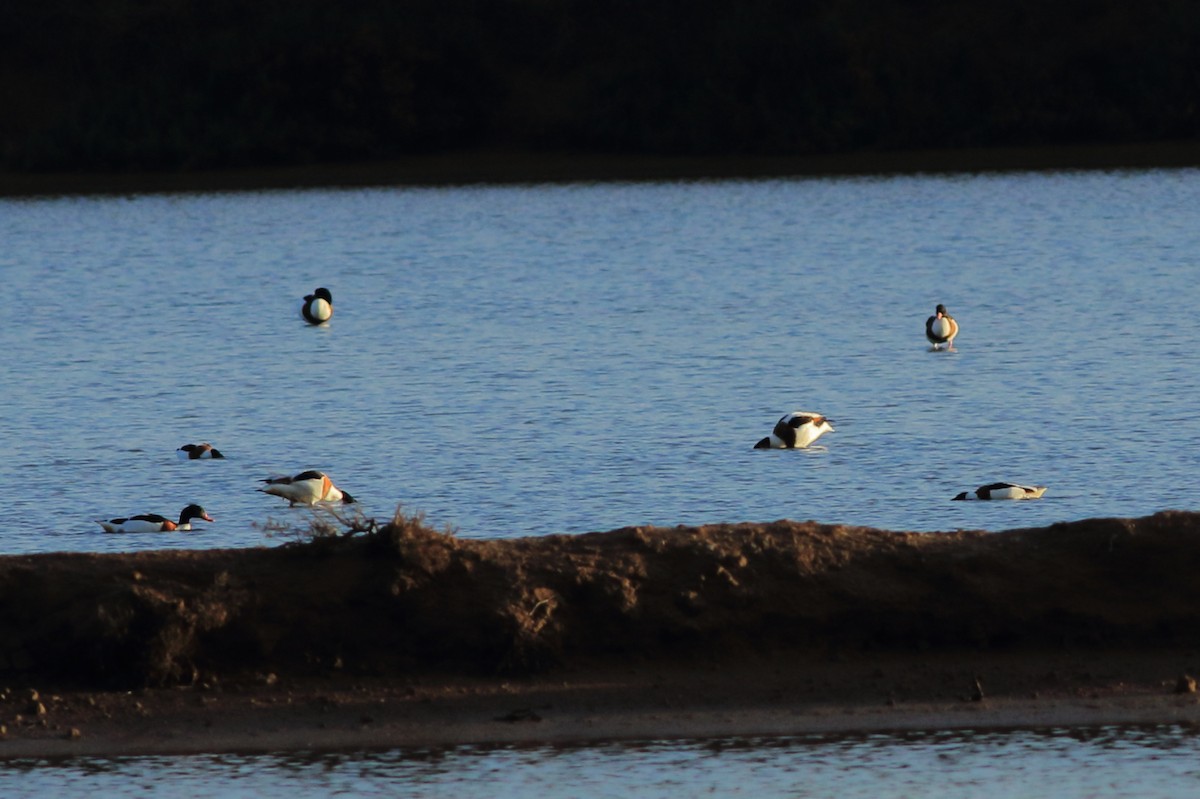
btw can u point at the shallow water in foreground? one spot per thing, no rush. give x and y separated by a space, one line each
517 360
1145 762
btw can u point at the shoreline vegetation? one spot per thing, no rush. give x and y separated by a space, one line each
369 635
493 167
196 95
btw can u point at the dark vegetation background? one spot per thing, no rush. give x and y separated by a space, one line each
127 85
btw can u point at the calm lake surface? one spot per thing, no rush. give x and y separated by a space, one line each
526 360
1160 762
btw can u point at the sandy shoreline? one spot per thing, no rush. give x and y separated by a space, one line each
643 702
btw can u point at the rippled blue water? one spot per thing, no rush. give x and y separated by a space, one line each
1160 762
544 359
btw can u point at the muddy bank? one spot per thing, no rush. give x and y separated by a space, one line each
406 600
406 636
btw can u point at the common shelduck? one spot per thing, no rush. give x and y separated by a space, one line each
1003 491
941 328
153 523
796 430
318 307
306 488
195 452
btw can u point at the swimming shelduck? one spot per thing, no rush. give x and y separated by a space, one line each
193 452
1003 491
318 307
153 523
306 488
941 328
796 430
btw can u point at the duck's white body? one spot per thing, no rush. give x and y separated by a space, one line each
1003 491
153 523
318 307
195 452
941 328
306 488
796 430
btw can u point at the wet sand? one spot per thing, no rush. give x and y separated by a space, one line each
647 702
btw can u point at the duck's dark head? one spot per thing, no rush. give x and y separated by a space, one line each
193 512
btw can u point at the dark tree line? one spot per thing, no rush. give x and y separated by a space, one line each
195 84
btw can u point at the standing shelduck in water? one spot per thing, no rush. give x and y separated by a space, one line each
306 488
1003 491
318 307
941 328
153 523
796 430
